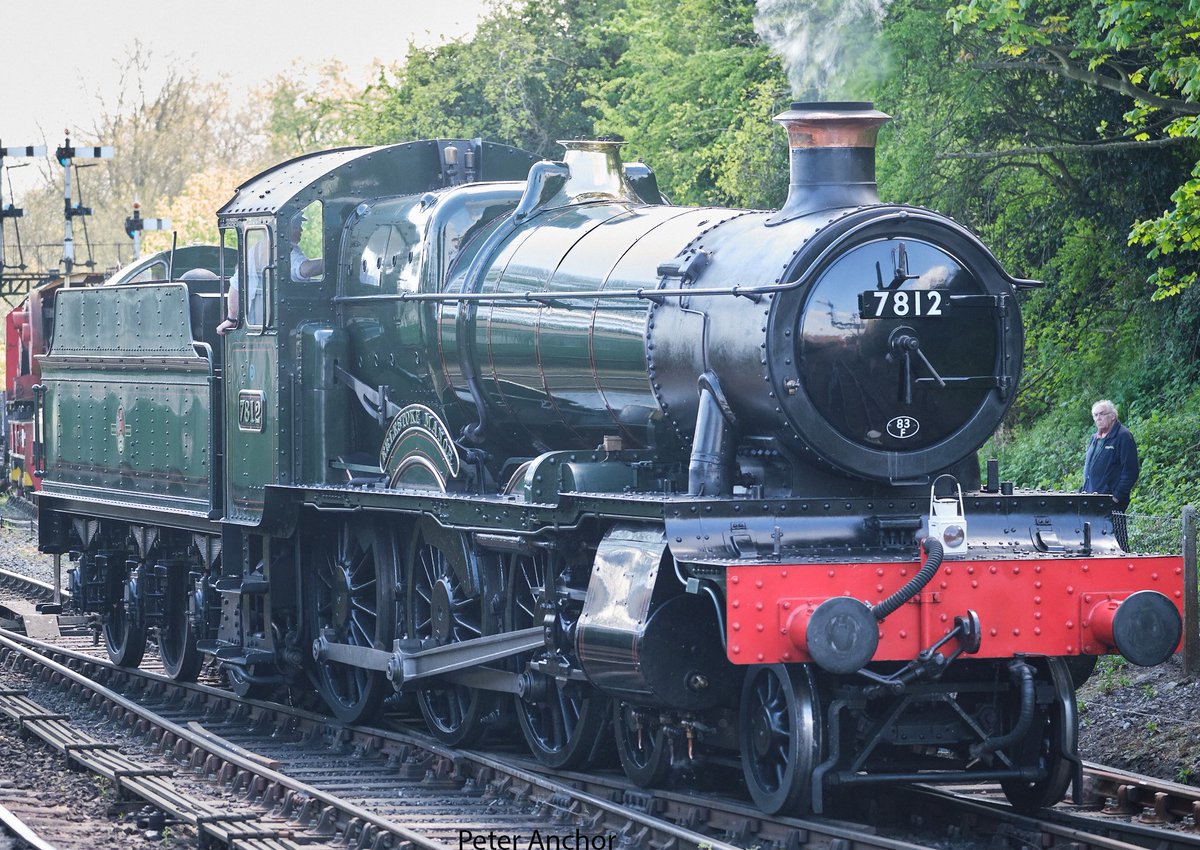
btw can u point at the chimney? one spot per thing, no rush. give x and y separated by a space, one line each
832 156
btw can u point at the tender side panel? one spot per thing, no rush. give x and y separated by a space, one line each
1039 607
128 400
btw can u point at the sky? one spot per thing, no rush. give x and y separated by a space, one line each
61 57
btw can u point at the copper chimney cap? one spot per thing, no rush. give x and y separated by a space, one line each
833 124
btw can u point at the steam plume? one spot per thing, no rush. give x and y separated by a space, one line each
829 48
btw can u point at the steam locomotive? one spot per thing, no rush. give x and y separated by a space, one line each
559 459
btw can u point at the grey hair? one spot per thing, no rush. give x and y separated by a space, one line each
1104 405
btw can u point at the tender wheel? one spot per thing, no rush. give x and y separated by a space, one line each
124 626
642 744
1052 737
177 637
562 720
443 608
779 732
354 567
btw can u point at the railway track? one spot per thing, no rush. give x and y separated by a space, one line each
388 787
369 787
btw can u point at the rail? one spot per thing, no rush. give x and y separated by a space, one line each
19 830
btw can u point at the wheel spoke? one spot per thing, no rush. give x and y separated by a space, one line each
558 726
429 566
358 561
364 632
357 589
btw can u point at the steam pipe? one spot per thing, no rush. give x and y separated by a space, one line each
709 469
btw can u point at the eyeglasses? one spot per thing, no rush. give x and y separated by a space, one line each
1104 414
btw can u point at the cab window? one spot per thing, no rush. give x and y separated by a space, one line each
256 255
155 271
305 236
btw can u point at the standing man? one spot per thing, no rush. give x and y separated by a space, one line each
1111 465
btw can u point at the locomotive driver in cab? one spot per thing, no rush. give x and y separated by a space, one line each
302 267
1111 465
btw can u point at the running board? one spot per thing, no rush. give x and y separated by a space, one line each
405 665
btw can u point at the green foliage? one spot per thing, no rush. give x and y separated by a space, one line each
1110 673
694 92
687 84
1174 232
307 110
523 78
1147 52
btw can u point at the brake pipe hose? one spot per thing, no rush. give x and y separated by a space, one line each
933 560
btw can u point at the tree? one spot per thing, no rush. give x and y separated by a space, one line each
307 110
522 78
1144 51
182 148
1049 170
694 92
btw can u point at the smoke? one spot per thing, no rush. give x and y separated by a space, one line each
830 49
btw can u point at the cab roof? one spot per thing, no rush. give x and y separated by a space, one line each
348 175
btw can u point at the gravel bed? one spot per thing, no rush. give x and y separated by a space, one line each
1142 719
18 548
86 810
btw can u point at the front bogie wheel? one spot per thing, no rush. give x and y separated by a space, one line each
643 745
1049 744
779 729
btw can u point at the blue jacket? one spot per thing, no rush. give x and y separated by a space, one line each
1111 465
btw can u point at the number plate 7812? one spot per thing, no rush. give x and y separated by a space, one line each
902 303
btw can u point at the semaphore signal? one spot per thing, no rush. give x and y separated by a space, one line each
11 211
135 224
66 154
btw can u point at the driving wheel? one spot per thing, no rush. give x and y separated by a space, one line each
353 602
446 583
562 719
